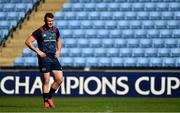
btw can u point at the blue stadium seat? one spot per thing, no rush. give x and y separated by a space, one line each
175 52
110 24
19 61
176 33
140 33
5 25
95 43
75 52
165 33
79 33
98 24
168 62
143 15
74 24
26 52
90 7
174 6
151 52
138 52
172 24
62 24
82 43
66 61
64 52
148 24
69 16
5 1
66 33
91 61
177 15
79 61
155 15
131 43
86 24
3 15
118 15
106 16
130 62
123 25
94 16
153 33
112 52
97 1
70 42
177 62
157 43
87 52
9 7
167 15
163 52
135 24
82 16
107 43
20 7
162 7
104 61
150 6
130 16
108 1
74 1
120 1
30 61
125 52
171 43
59 16
155 62
113 7
101 7
67 7
91 33
119 43
115 34
142 62
100 52
78 7
127 33
117 61
84 1
125 7
160 24
145 43
137 7
13 16
102 33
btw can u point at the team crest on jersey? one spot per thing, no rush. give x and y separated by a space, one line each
44 35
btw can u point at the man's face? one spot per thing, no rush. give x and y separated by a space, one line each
49 21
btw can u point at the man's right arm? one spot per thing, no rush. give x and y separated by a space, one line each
29 42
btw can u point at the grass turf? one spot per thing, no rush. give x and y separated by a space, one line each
90 104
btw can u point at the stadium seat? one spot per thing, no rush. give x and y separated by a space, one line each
175 52
66 33
95 43
117 61
104 61
176 33
162 7
177 62
148 24
70 43
137 7
69 16
59 16
135 24
138 52
151 52
155 15
125 7
64 52
163 52
102 33
91 33
114 34
79 61
66 61
167 15
100 52
177 15
19 61
131 43
94 16
98 24
155 62
82 43
9 7
140 34
143 15
142 62
67 7
62 24
171 43
174 6
127 34
26 52
87 52
106 16
149 6
30 61
118 15
107 43
157 43
130 62
101 7
86 24
160 24
130 16
123 25
172 24
125 52
145 43
119 43
168 62
74 24
91 61
3 15
79 33
113 7
153 33
165 33
112 52
82 16
78 7
110 24
90 7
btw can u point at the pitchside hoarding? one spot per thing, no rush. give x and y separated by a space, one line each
126 84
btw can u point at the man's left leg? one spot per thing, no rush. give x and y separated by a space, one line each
58 79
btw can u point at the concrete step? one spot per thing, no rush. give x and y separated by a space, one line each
6 61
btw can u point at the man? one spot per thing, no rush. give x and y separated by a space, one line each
48 51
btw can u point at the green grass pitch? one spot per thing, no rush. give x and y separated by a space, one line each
90 104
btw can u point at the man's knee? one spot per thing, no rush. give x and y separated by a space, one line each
46 81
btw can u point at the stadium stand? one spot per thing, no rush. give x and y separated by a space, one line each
118 33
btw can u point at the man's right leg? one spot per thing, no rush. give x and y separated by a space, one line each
46 79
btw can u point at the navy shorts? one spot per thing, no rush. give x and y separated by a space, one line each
49 63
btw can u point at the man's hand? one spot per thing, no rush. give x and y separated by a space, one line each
41 54
57 54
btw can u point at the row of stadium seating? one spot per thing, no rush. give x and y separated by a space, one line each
18 7
109 24
102 33
105 61
120 1
171 6
113 52
117 15
19 1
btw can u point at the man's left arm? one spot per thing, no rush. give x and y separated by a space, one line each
59 44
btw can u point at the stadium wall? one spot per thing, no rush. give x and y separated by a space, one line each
92 83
